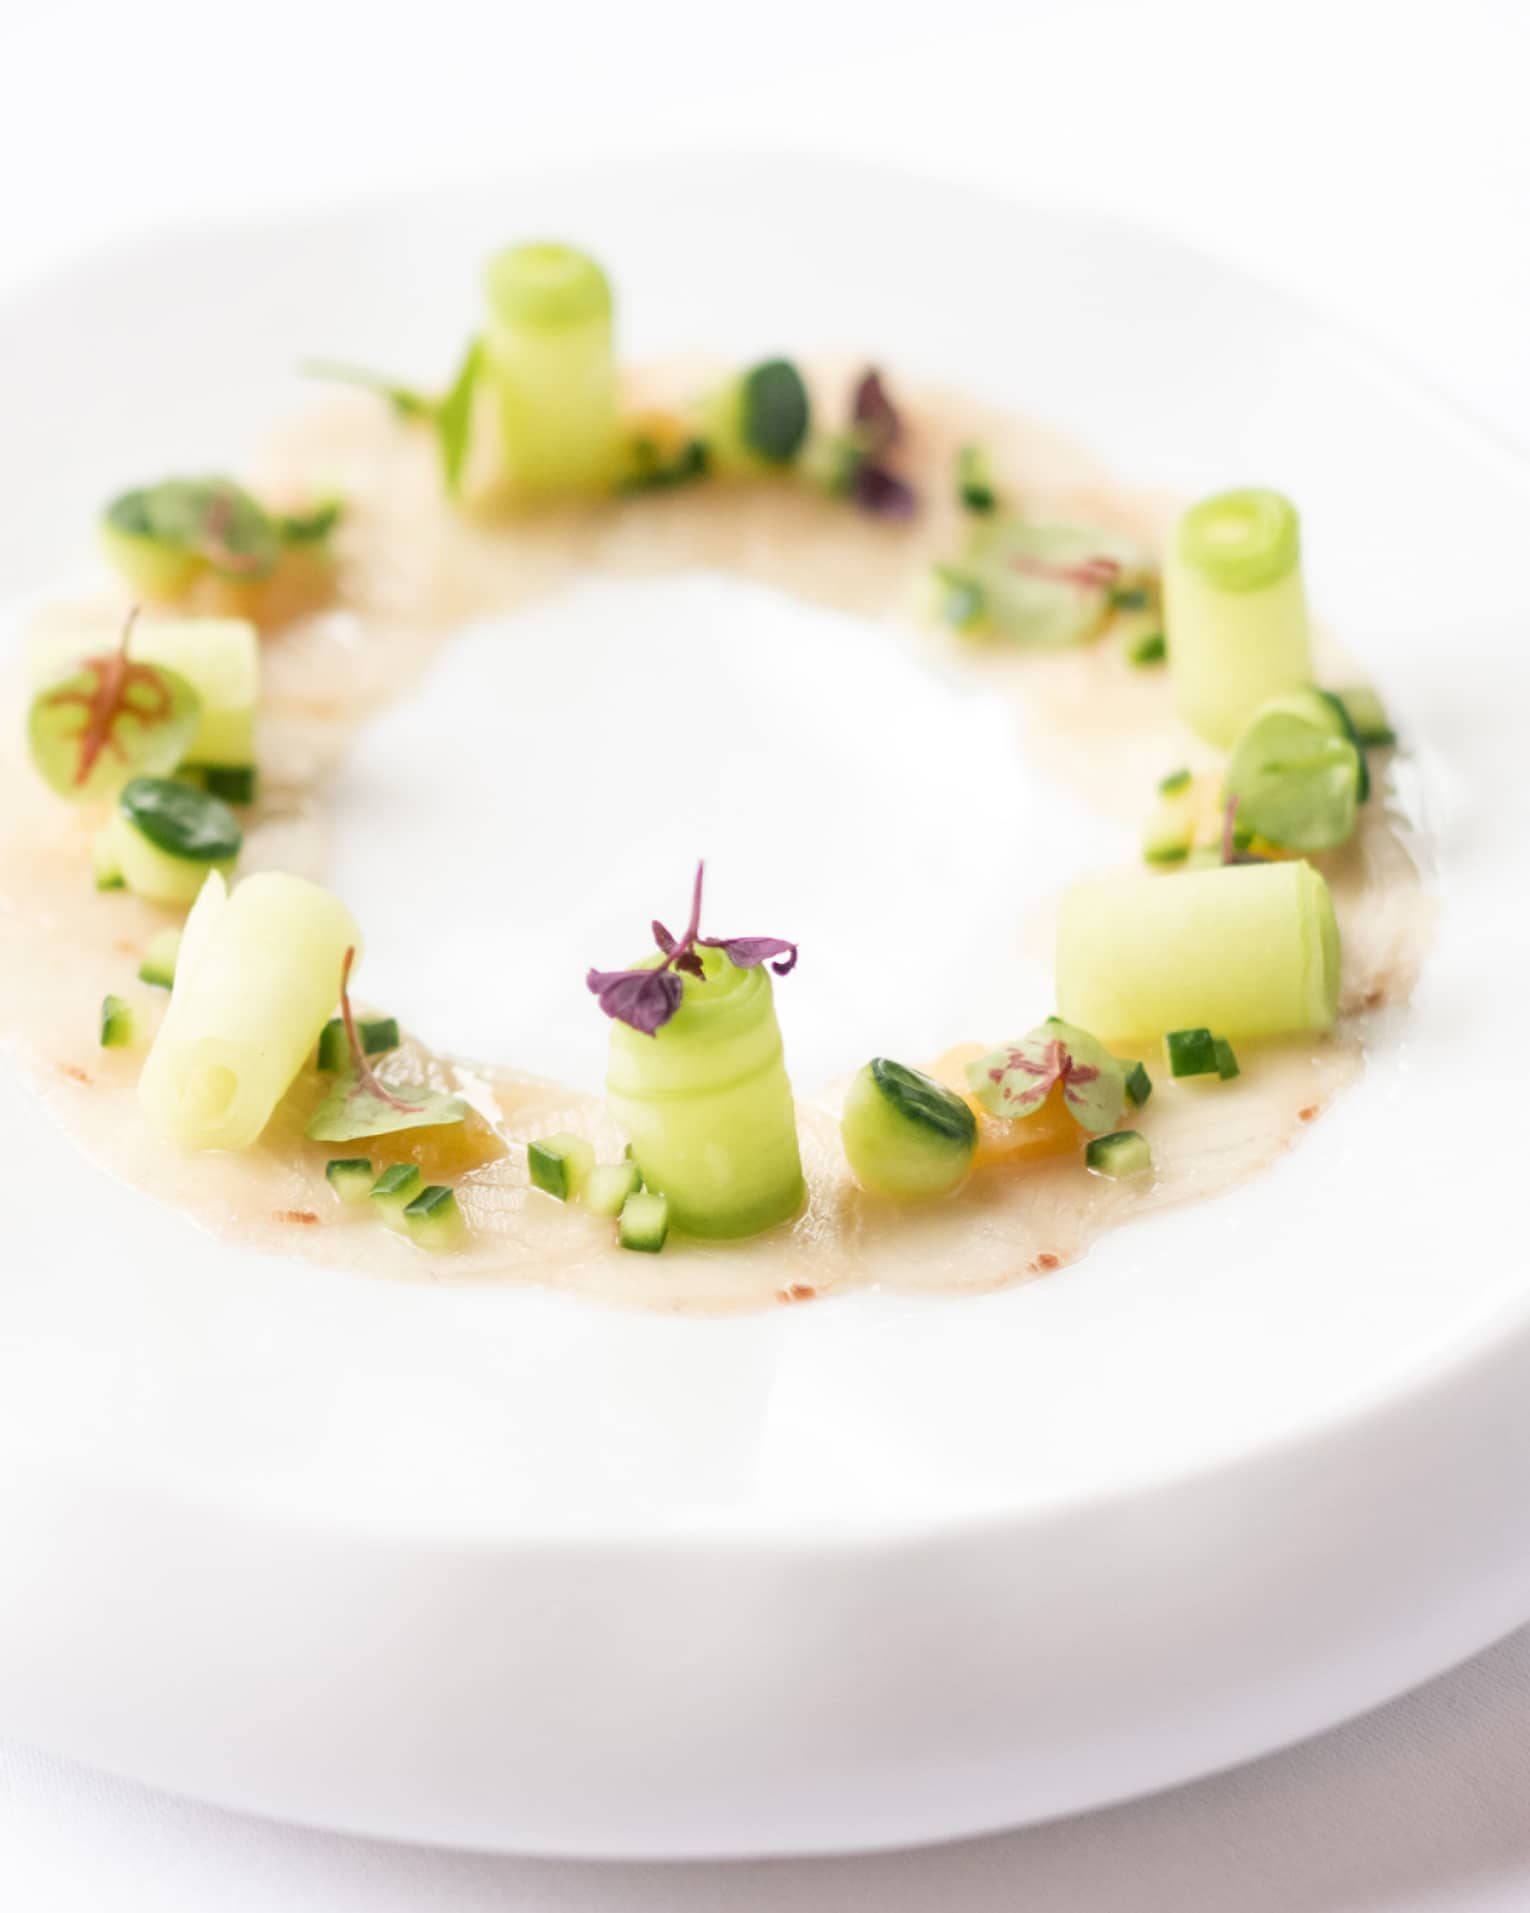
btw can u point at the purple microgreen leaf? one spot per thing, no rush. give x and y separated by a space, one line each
872 412
644 1000
1016 1079
747 953
881 493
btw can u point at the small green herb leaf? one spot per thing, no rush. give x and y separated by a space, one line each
353 1109
407 401
776 411
361 1105
109 720
310 527
454 417
1293 784
1015 1080
208 518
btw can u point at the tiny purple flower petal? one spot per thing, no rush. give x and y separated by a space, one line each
874 414
881 493
746 953
644 1000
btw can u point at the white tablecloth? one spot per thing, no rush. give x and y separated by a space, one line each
1374 157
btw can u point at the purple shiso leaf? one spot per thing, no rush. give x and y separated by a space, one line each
881 493
873 413
662 937
688 961
644 1000
747 953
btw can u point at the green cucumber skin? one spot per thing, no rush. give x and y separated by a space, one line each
608 1186
1118 1156
560 1165
644 1224
179 820
378 1035
1227 1062
708 1108
160 960
1191 1053
433 1220
906 1136
393 1192
118 1025
1139 1085
229 783
350 1177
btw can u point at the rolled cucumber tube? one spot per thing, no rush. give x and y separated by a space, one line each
552 366
1235 610
707 1106
1248 950
259 974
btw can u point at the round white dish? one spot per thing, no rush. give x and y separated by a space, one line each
491 1567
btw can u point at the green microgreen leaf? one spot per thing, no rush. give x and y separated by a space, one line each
360 1104
1015 1080
110 720
208 518
310 527
454 416
408 401
1049 585
1293 784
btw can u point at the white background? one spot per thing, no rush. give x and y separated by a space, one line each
1373 157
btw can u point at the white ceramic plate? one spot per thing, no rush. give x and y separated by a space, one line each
495 1568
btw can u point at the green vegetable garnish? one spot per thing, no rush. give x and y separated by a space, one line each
118 1024
1227 1063
1191 1053
1139 1085
378 1035
160 534
1368 716
1015 1080
560 1165
974 482
653 472
451 415
1119 1156
1175 781
1047 585
111 719
180 820
645 1223
1235 609
758 421
393 1192
551 366
230 783
961 601
310 527
905 1135
350 1177
1149 648
433 1221
1293 784
360 1104
607 1187
160 959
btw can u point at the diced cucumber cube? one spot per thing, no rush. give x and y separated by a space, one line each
1169 834
1191 1053
104 862
560 1164
1175 782
1368 715
1148 648
160 958
394 1190
608 1186
644 1222
433 1221
975 489
234 783
1227 1063
1139 1085
1118 1156
377 1033
350 1177
118 1024
906 1136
